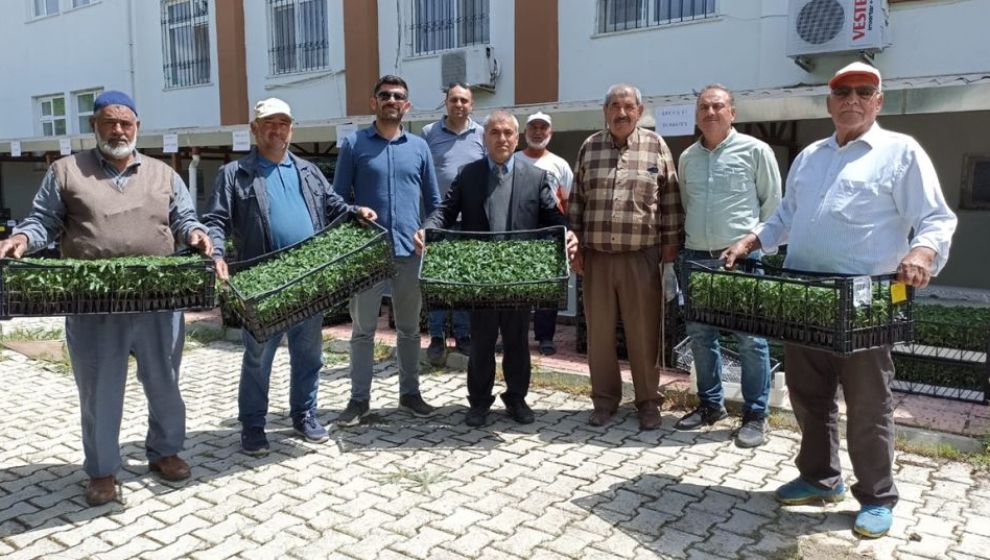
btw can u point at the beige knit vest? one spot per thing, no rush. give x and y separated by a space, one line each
103 222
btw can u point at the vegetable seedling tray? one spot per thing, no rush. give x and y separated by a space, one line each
843 314
53 287
298 294
524 269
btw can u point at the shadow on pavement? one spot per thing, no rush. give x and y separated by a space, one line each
667 516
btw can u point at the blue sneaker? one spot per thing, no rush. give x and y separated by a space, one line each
874 521
798 492
310 428
254 442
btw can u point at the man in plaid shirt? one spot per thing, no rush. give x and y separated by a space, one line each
626 211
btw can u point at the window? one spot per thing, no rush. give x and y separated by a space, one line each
52 115
84 108
186 42
448 24
80 3
618 15
976 182
44 8
298 39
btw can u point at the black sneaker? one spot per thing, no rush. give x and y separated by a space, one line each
416 405
752 433
702 415
351 416
254 442
476 416
437 351
463 345
520 412
547 347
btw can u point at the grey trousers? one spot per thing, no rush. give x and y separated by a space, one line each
408 302
813 377
99 346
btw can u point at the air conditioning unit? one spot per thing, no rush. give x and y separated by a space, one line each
474 66
836 26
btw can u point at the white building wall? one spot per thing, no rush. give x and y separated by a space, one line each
422 72
313 96
744 48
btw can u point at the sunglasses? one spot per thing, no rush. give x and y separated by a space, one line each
863 92
386 95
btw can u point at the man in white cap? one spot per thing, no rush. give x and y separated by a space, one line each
863 201
267 200
539 131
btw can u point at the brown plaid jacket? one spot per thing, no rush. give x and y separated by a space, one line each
626 199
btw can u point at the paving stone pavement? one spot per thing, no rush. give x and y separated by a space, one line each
401 487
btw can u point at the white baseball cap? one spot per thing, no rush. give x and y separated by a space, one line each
539 116
271 106
856 69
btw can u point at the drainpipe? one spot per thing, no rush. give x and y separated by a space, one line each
130 46
193 182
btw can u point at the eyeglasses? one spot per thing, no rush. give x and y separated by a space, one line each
863 92
386 95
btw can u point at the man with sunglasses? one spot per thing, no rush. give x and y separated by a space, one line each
864 201
390 171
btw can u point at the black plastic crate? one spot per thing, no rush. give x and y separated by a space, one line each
125 289
806 308
318 290
547 293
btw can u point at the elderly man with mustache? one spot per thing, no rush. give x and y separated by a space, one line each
626 212
111 202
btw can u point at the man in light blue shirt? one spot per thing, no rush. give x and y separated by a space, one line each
729 184
864 201
391 172
455 141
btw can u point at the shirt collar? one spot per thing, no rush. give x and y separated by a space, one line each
372 131
264 162
870 137
506 167
631 141
109 164
471 126
722 144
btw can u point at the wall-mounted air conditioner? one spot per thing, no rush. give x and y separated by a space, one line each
836 26
474 66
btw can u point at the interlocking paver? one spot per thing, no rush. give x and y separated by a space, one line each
401 487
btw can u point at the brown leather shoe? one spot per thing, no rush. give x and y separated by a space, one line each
600 417
101 490
171 468
649 418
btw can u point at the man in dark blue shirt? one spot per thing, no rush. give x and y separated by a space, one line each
268 200
391 172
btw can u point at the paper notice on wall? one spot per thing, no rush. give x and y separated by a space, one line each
242 140
170 143
344 129
15 148
64 146
674 120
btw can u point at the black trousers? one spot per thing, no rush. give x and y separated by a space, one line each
485 327
544 324
813 379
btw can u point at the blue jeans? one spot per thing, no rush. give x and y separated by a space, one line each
438 323
305 362
408 302
754 357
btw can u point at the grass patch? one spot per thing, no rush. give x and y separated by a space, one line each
382 351
555 381
35 333
413 479
204 335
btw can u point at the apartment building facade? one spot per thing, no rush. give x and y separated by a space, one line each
196 66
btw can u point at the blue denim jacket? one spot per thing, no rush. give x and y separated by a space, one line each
239 206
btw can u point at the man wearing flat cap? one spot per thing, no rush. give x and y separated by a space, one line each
863 201
267 200
112 202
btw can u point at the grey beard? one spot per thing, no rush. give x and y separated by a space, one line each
541 146
115 152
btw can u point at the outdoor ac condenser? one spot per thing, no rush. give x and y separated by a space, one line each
836 26
474 66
